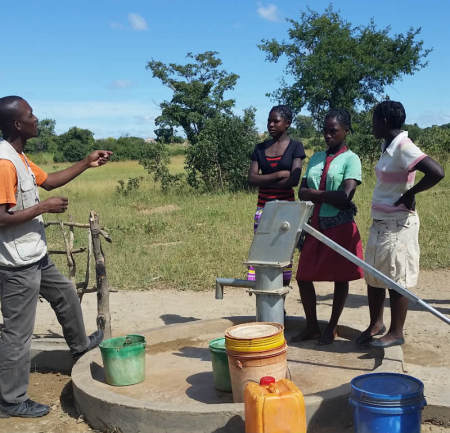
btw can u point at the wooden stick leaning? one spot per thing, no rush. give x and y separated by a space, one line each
103 313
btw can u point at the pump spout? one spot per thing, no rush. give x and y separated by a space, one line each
235 282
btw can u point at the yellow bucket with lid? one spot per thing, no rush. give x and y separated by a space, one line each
255 350
254 337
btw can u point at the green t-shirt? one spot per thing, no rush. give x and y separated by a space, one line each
347 165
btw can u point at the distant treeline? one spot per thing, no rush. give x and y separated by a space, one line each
77 142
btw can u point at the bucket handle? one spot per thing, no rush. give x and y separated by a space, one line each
288 371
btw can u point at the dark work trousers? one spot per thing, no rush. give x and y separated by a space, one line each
19 291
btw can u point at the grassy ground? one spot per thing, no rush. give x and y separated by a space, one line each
186 241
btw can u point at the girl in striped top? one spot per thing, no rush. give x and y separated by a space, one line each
275 168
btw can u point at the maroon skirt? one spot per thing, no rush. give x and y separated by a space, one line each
320 263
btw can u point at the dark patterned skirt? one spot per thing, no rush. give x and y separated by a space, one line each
320 263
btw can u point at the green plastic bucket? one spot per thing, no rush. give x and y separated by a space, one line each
124 360
219 360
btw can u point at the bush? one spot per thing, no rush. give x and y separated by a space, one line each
132 185
414 131
41 158
74 145
155 158
220 158
362 141
435 141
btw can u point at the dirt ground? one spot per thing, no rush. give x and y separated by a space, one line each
427 338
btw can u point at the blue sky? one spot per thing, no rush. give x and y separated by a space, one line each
83 62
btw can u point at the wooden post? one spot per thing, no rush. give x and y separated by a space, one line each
103 314
68 245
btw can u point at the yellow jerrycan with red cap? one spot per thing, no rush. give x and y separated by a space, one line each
274 407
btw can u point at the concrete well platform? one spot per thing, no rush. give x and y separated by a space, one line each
178 393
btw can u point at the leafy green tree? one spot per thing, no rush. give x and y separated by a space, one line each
335 64
155 158
198 92
74 144
164 134
219 141
414 131
109 143
220 159
436 141
361 140
46 139
304 126
123 148
129 147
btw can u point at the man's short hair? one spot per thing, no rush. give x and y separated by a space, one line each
8 112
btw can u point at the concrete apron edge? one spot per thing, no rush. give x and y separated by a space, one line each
105 409
101 406
83 382
89 400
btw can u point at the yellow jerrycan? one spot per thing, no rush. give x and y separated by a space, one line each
274 407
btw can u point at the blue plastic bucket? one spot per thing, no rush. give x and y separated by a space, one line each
387 402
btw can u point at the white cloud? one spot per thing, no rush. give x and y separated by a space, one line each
269 12
121 84
137 22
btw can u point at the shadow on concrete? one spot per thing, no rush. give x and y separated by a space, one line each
194 352
353 301
97 372
333 414
237 320
202 389
328 365
438 301
344 344
358 301
234 425
170 319
67 401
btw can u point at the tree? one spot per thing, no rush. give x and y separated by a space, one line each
198 92
154 157
334 64
129 147
414 131
220 159
304 126
46 139
436 141
164 134
361 140
123 147
74 144
220 142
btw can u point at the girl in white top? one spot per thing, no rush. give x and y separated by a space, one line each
393 246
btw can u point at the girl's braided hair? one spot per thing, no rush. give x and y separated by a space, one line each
342 116
393 112
284 111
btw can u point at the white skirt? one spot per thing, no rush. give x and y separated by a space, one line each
393 249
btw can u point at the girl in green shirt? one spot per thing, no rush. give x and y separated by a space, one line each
330 183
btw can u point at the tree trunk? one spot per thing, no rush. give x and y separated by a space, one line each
103 314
